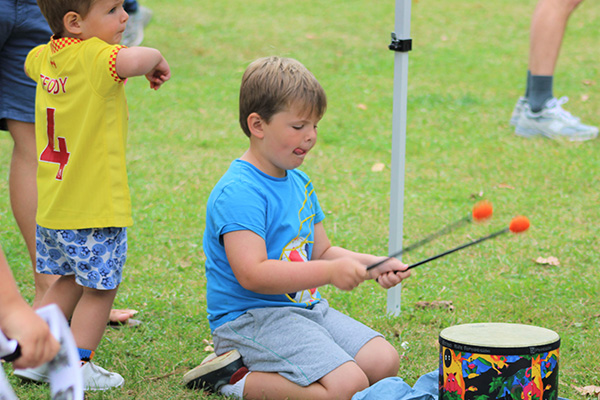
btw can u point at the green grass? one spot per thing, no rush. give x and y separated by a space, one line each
466 71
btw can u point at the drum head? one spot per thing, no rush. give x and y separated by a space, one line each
499 338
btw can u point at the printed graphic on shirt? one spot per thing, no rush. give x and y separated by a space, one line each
297 250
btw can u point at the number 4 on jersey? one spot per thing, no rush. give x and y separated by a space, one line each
50 154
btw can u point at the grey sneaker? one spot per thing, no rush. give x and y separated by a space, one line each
553 122
517 111
216 371
134 31
97 378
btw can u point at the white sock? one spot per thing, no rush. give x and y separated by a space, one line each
237 389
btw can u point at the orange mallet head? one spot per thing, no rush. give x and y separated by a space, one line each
519 224
482 210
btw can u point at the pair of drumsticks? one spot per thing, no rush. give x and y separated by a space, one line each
481 211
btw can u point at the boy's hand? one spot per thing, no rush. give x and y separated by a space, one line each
390 273
347 273
159 75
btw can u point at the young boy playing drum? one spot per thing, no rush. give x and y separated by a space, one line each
267 253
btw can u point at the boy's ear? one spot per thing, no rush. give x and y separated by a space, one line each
256 125
72 23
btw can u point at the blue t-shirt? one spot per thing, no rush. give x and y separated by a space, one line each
283 211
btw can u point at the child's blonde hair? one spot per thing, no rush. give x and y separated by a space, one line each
55 10
274 84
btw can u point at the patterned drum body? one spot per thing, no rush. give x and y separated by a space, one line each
489 361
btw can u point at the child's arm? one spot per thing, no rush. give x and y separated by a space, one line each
388 274
247 255
18 321
137 61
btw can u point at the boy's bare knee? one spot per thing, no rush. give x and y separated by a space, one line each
344 381
378 359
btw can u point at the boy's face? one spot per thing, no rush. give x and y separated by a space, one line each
106 20
288 138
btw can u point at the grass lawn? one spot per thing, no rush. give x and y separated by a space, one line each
466 71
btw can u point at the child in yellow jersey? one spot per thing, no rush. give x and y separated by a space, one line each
83 196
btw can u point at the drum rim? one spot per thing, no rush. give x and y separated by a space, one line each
499 350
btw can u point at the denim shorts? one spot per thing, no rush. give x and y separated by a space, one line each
301 344
22 27
95 256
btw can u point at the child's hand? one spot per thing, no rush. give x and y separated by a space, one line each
389 273
159 74
348 273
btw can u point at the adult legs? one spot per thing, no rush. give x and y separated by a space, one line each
23 195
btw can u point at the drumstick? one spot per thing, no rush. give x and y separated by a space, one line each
481 211
517 225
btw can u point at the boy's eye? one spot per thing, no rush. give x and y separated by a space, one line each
298 127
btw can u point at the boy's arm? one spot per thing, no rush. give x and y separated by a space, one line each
137 61
388 274
18 321
247 255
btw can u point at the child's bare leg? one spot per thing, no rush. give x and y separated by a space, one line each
341 383
378 359
64 292
90 317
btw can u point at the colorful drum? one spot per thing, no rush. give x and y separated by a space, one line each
488 361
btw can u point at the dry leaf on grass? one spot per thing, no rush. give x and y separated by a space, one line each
435 304
378 167
361 106
548 261
588 390
505 186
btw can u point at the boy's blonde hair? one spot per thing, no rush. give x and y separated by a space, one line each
274 84
55 10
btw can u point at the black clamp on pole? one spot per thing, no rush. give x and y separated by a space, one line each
401 45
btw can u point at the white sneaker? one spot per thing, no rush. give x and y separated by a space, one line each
553 122
134 31
97 378
518 110
37 374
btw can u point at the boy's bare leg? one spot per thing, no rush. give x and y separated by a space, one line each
64 292
90 317
341 383
378 359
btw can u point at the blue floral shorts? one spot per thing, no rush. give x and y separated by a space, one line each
95 256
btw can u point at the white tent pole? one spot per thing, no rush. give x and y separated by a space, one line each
401 44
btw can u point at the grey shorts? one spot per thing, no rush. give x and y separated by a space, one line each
302 345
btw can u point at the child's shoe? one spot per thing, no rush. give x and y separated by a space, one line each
97 378
216 371
37 374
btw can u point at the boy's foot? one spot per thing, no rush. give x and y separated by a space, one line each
37 374
553 122
134 31
94 377
216 371
97 378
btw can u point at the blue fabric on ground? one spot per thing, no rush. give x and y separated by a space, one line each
426 388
